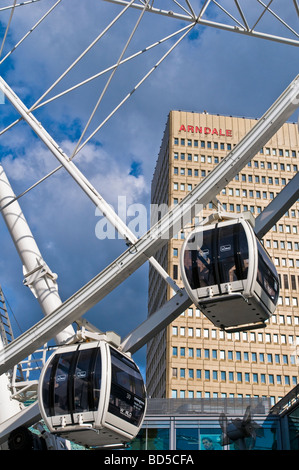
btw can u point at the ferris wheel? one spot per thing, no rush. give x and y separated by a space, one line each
40 27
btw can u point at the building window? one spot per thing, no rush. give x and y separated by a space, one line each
175 271
222 354
269 358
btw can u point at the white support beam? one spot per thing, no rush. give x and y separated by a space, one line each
38 276
78 176
26 417
179 303
157 236
235 28
167 313
156 322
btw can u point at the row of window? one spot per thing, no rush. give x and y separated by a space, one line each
287 301
202 144
281 319
285 228
288 282
236 208
232 376
244 335
282 244
286 262
236 356
222 146
199 394
250 178
238 192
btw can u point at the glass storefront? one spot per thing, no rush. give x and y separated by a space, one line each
193 435
196 436
191 425
152 438
293 424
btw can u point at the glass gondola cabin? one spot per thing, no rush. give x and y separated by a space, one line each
228 274
92 394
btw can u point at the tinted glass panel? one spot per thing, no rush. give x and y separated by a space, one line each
97 379
199 260
46 394
232 253
216 256
72 382
127 395
61 395
187 439
83 381
267 275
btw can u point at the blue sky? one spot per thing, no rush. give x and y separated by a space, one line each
211 69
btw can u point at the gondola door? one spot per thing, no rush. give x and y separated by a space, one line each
236 257
219 259
127 397
72 385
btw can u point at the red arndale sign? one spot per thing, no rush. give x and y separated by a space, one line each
206 130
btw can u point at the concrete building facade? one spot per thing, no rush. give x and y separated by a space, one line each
192 358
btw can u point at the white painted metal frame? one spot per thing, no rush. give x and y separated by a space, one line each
47 327
143 249
157 236
239 26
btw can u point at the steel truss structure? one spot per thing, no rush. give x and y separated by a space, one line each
236 15
39 277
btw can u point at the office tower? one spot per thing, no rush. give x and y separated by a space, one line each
192 358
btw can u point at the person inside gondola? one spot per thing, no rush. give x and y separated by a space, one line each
235 275
198 268
203 266
190 268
